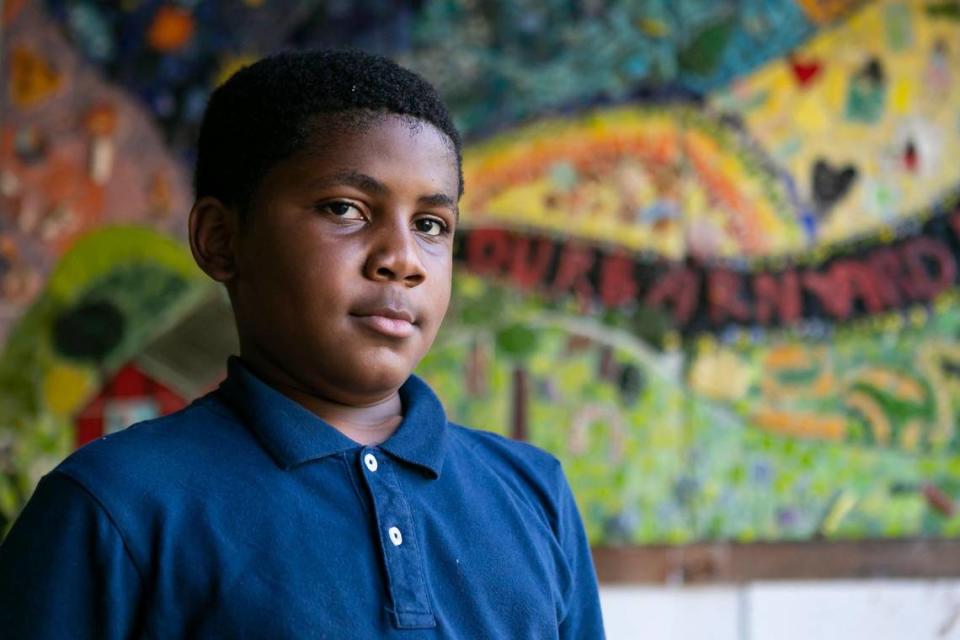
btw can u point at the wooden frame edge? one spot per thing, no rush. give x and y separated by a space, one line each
707 563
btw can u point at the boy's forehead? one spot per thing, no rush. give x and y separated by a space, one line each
328 132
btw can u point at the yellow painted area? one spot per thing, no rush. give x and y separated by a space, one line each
822 11
921 102
801 425
99 252
706 343
654 179
838 511
32 78
811 113
825 385
902 96
899 386
788 356
873 412
929 361
66 387
910 437
229 65
721 375
653 28
918 317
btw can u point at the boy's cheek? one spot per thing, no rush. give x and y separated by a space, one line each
448 293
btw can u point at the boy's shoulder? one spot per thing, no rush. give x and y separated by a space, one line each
180 444
508 458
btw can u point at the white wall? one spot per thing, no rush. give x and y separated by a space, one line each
847 610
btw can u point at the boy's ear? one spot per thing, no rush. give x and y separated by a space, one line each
213 229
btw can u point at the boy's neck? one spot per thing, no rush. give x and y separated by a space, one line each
367 424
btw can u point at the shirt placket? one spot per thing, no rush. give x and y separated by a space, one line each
398 543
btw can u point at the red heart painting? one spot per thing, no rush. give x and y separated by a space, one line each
804 71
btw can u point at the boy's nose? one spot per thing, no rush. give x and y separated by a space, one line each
395 257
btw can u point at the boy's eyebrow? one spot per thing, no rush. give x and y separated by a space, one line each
352 179
370 184
438 200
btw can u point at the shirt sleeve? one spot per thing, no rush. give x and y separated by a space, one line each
582 619
64 569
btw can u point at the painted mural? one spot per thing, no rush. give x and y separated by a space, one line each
708 259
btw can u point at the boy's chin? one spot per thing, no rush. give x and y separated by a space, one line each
371 382
380 382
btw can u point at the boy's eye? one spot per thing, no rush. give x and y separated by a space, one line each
343 210
430 226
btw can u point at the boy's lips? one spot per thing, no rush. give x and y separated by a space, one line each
394 323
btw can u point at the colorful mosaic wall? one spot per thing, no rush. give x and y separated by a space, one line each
709 254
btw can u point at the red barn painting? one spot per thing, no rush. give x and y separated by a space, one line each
131 396
180 365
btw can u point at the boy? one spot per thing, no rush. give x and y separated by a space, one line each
320 491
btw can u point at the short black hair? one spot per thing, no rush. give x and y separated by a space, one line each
267 111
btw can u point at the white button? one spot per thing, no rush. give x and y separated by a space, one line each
395 536
371 461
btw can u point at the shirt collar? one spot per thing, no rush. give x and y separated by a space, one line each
293 435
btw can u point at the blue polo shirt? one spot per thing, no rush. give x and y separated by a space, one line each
246 516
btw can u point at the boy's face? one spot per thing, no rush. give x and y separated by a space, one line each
344 259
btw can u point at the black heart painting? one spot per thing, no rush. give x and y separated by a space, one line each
831 184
